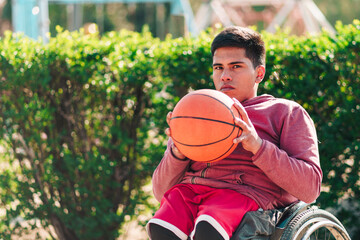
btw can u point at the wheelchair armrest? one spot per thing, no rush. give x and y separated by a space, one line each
290 212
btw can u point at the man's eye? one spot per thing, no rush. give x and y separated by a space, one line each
217 68
237 66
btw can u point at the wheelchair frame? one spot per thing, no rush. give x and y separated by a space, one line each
299 221
303 221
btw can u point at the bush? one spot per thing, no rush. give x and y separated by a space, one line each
83 117
76 115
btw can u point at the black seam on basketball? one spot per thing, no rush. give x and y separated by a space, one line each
221 154
208 119
202 94
239 128
214 159
214 120
207 144
228 149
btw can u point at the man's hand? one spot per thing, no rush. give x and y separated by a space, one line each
174 149
249 137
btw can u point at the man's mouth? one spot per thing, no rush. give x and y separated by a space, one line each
226 88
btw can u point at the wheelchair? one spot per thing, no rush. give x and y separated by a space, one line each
301 221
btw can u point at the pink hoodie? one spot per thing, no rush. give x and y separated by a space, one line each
285 169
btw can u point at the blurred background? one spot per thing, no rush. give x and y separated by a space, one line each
38 17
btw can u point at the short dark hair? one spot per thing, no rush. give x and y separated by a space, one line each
245 38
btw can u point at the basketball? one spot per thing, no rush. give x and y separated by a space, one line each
203 125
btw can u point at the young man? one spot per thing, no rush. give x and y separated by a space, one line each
275 163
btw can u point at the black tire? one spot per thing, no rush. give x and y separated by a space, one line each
315 224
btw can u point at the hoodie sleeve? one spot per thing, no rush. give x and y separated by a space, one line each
169 172
294 165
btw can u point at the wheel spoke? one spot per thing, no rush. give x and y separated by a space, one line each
315 224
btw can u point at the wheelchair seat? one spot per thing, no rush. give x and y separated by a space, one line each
299 221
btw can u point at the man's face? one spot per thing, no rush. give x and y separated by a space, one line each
234 74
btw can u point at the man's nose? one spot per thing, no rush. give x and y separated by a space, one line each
225 76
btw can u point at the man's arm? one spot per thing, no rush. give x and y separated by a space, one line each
301 177
294 165
169 172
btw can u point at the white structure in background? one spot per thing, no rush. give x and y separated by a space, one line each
32 16
287 13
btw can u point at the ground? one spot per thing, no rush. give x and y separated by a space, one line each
132 232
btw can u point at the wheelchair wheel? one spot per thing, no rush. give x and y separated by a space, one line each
315 224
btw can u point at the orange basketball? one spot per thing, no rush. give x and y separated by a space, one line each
202 125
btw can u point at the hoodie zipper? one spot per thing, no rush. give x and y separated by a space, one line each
204 170
202 174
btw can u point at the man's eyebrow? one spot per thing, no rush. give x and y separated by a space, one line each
236 62
232 63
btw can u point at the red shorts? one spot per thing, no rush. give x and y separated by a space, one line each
184 205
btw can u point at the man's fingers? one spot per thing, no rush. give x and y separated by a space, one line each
238 139
168 132
241 110
242 124
168 117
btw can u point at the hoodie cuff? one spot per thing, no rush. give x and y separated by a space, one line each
260 151
180 159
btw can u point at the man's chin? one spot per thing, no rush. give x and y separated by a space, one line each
229 93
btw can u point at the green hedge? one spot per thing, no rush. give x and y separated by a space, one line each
82 120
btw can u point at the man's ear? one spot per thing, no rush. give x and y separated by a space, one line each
260 73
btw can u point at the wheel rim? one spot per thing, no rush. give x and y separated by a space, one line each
320 229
